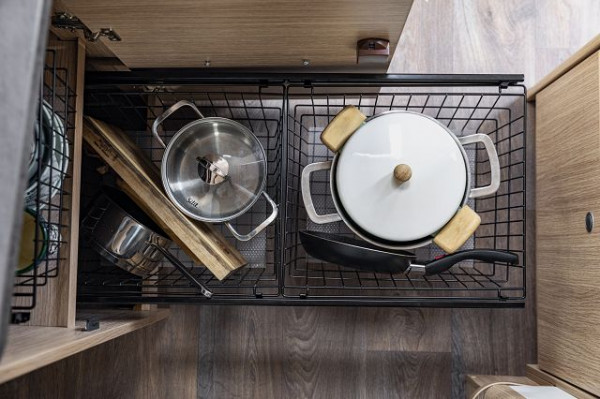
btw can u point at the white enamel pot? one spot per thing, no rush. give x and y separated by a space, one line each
400 179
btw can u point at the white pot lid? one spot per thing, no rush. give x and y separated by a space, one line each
376 200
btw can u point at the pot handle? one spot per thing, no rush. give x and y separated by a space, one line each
444 263
490 148
307 198
179 266
458 230
260 227
339 130
169 112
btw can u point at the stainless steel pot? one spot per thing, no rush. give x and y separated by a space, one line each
214 170
125 236
399 178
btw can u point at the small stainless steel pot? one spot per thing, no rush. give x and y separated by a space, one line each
125 236
214 170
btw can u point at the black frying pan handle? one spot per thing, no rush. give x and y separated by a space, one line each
487 255
177 264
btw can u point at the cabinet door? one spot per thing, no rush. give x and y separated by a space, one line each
568 257
233 33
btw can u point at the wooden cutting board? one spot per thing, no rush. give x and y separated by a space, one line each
142 182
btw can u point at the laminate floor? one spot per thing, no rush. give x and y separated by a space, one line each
157 362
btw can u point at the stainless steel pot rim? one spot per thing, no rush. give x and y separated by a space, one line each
182 131
139 271
106 193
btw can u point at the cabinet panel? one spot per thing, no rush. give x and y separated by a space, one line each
568 257
233 33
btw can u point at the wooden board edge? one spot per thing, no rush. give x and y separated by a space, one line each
588 49
533 372
12 368
68 290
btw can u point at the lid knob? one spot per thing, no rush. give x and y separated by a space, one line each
213 169
402 173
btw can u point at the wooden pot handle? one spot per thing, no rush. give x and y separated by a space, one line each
341 127
458 230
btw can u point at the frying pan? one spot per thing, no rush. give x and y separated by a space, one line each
361 255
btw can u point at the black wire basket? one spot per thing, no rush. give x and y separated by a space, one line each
498 113
288 113
43 246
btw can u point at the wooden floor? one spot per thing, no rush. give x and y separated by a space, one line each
159 361
301 352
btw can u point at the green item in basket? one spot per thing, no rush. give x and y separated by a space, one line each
30 253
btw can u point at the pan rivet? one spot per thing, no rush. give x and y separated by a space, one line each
589 222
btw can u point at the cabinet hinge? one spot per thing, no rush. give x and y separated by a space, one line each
63 20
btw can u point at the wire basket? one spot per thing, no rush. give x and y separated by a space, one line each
134 110
288 113
500 114
47 197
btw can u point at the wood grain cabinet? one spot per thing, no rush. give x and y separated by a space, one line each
568 248
230 33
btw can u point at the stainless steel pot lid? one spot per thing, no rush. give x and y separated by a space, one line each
214 169
401 176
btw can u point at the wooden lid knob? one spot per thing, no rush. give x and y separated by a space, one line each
402 173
